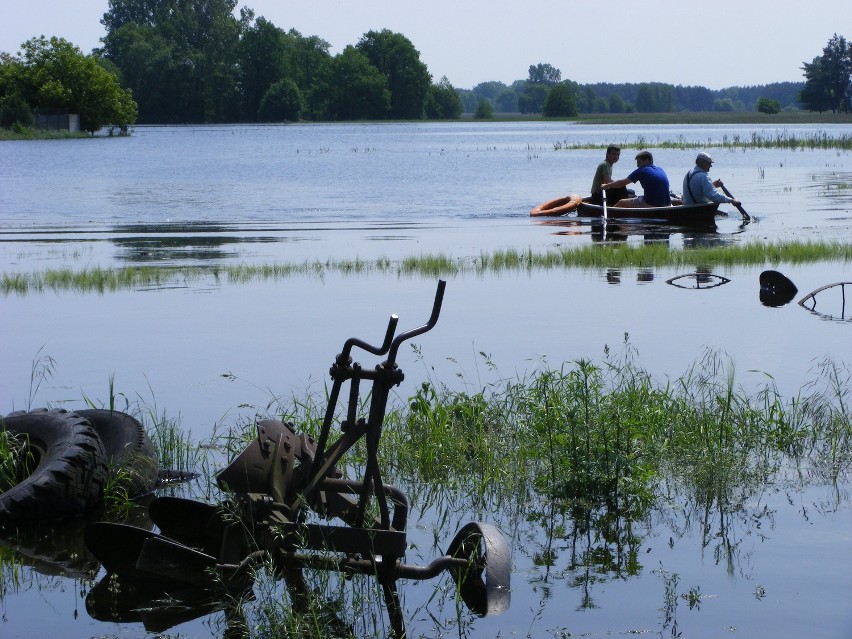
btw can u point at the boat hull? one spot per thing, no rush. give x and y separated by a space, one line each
684 214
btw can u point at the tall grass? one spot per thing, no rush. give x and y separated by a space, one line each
784 140
605 434
100 280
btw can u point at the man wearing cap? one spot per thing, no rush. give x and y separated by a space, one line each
699 189
653 179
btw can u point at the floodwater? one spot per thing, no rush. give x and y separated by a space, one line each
216 352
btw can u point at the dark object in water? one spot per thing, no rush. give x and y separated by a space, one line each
809 301
205 552
776 289
698 280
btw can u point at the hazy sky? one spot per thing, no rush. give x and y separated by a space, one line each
715 44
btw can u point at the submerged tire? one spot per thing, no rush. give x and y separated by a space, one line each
127 447
69 467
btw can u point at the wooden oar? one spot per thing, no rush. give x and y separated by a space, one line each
745 215
603 193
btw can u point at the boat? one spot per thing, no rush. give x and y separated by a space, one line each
680 214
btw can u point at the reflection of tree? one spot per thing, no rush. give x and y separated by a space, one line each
721 497
601 541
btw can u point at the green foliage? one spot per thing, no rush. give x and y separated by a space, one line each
484 110
54 74
15 460
768 106
544 74
399 62
533 98
179 59
602 435
443 102
350 88
282 102
828 77
14 111
561 101
655 97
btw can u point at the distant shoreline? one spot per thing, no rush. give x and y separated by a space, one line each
697 117
637 119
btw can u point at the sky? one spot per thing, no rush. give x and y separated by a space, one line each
716 44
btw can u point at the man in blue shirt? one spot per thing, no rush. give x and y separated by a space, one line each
654 181
699 189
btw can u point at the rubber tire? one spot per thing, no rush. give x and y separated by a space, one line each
71 474
127 446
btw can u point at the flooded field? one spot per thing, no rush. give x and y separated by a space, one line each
764 556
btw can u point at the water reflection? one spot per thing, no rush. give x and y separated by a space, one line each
701 279
641 231
832 302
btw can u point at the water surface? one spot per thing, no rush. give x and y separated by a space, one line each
216 352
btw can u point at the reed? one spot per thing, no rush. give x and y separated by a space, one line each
594 256
604 434
13 459
783 140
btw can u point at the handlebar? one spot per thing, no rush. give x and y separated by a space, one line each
391 344
430 323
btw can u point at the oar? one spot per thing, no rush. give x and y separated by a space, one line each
745 215
603 193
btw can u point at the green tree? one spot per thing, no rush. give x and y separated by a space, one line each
490 89
348 87
407 77
617 104
507 101
828 78
561 101
194 47
484 110
282 102
262 63
723 104
533 97
443 102
544 74
655 97
305 56
162 78
14 111
55 74
768 106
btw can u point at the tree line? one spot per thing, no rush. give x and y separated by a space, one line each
195 61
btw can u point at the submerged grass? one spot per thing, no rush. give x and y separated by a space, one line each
783 140
571 458
99 280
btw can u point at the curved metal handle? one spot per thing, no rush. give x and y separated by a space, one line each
375 350
433 319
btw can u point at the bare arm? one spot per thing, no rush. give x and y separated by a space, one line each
617 184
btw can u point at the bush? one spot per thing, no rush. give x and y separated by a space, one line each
484 110
14 110
282 102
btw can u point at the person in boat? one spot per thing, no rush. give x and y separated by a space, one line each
603 174
654 181
699 189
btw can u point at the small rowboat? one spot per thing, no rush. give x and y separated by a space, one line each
679 214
